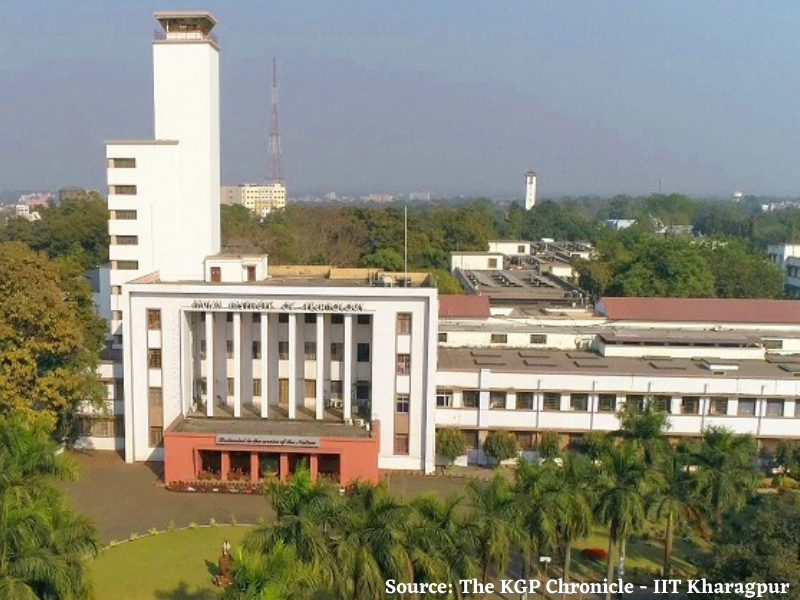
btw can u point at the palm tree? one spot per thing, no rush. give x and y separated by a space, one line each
44 544
275 575
574 496
726 470
373 542
621 503
646 427
441 542
676 499
308 518
533 487
496 523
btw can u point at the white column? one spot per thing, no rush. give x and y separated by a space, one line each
292 365
320 399
210 391
265 357
347 377
237 364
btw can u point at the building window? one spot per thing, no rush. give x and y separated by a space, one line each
283 317
336 389
772 344
230 386
497 400
364 319
607 403
492 263
100 426
256 317
156 436
401 403
719 406
122 190
309 318
310 350
442 338
337 351
747 407
119 390
444 398
125 240
362 351
202 349
229 317
525 440
257 387
690 405
153 318
470 398
125 265
552 401
579 402
403 364
662 403
635 401
154 358
524 400
216 274
401 444
337 318
256 350
155 397
538 338
283 350
404 323
774 408
229 348
123 215
251 273
121 163
310 388
499 338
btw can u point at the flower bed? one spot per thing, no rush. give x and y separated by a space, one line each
595 554
214 487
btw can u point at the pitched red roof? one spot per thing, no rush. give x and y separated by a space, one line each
709 310
463 306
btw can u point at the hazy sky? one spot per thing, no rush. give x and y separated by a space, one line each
444 95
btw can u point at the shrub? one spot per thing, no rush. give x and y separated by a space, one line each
450 444
500 445
549 445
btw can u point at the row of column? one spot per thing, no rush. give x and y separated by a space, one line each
283 466
296 364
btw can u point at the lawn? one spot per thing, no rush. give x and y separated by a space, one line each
174 565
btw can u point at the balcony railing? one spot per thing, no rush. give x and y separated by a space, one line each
188 36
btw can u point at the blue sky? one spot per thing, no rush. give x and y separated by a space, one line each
453 96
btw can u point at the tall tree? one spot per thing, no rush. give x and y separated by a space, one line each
621 501
574 494
49 341
726 470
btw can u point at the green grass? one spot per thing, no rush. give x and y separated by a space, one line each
644 557
174 565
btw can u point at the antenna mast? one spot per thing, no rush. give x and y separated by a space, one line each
274 166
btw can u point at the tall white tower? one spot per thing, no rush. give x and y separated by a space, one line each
163 193
530 190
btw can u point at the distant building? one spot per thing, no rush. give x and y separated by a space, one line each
618 224
260 199
24 211
70 192
426 196
530 190
378 198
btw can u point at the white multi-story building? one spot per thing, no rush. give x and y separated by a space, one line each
225 365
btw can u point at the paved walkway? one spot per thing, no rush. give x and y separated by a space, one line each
124 499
